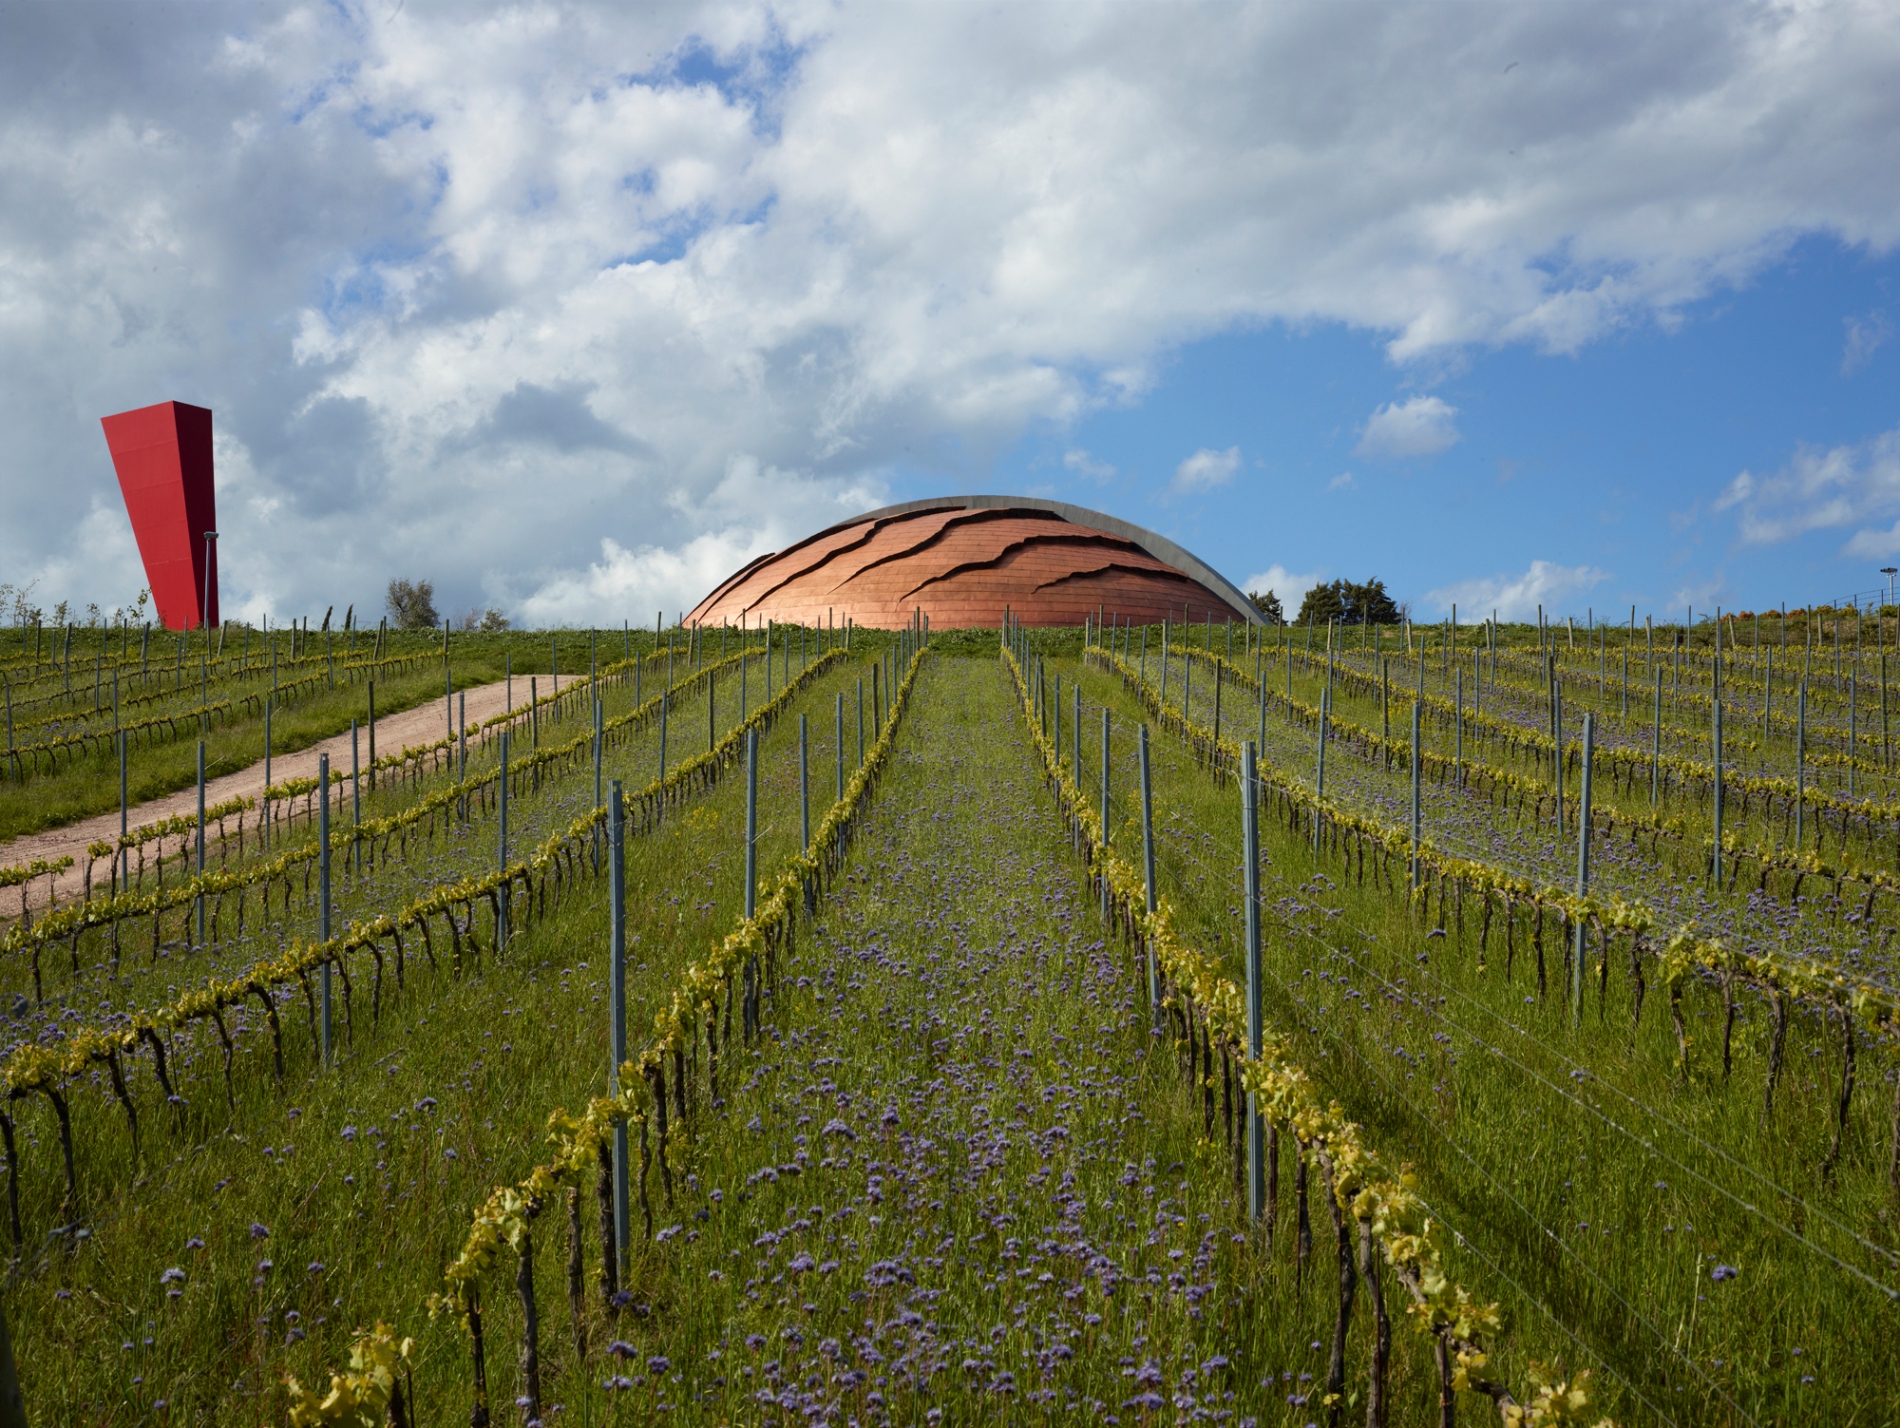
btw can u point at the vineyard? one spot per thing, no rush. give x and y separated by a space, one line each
1128 1025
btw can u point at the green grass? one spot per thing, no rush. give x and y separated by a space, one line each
1468 1072
495 1050
90 785
960 1064
961 1179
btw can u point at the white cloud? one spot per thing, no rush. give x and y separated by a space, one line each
1423 426
1205 470
1865 335
1291 588
1342 482
1854 485
472 289
1703 595
1083 464
1516 597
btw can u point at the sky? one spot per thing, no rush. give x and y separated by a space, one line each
574 309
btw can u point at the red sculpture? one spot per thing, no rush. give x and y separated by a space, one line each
163 457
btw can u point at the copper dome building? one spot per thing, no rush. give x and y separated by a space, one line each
963 560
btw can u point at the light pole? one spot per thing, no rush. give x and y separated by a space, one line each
211 546
1890 571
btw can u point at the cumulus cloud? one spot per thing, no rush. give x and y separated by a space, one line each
1516 597
1823 489
1205 470
474 289
1423 426
1082 464
1865 335
1342 482
1290 587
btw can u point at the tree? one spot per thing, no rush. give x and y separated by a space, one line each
412 604
1269 606
489 620
1350 604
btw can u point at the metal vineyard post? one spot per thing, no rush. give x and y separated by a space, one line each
1458 766
356 804
501 820
617 1006
1583 864
1105 823
1250 882
1655 758
1325 713
323 894
1148 865
122 865
751 822
1416 708
201 839
1715 746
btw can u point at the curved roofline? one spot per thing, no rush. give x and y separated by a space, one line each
1160 547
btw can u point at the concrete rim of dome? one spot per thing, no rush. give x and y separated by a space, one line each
1160 547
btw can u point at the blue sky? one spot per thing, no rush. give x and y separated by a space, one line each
574 308
1610 458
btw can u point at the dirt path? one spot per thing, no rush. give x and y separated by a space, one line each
412 728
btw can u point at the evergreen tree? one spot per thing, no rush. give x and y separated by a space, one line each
1269 606
1350 604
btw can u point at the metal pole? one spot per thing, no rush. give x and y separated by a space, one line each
1583 864
1416 710
123 863
1148 865
501 809
356 805
1250 881
201 839
617 1005
1557 733
323 897
1105 823
860 723
751 821
1458 755
1715 739
1319 782
804 785
1655 758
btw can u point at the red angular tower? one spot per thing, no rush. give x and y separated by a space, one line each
163 457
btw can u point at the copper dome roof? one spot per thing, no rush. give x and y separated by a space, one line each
962 560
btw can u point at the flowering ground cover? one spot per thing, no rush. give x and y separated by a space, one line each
962 1170
1622 1181
962 1178
244 1239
